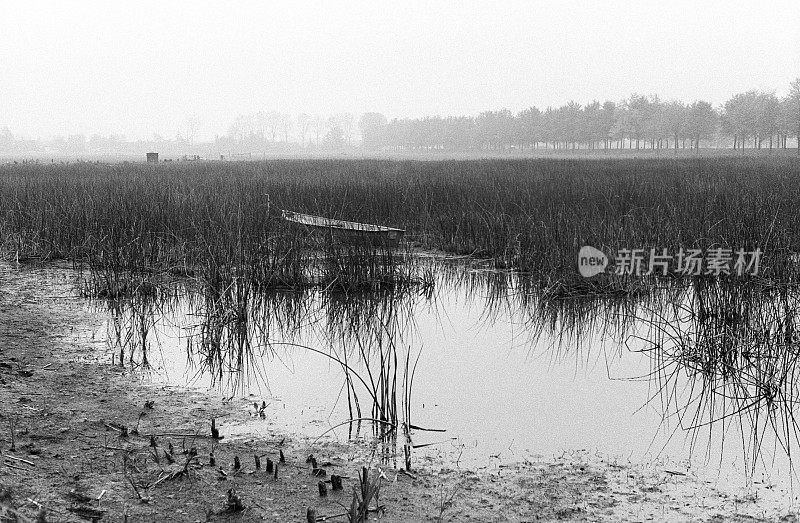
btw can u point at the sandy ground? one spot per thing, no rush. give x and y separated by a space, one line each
69 458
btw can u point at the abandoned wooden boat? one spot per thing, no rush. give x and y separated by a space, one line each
351 232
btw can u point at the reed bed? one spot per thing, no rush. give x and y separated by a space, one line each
528 215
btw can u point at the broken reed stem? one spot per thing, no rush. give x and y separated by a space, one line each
31 463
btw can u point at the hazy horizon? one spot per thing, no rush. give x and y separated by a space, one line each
141 69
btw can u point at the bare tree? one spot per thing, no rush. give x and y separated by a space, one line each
273 121
373 130
192 126
318 124
303 126
262 123
284 125
347 123
241 127
792 109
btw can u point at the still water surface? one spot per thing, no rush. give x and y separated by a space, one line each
505 382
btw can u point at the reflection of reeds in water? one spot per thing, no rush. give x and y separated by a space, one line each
133 319
238 312
727 354
570 317
226 342
234 324
722 352
367 332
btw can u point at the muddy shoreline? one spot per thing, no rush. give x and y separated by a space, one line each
82 448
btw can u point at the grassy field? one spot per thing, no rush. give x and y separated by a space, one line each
217 218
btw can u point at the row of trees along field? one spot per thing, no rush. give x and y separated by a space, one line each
753 119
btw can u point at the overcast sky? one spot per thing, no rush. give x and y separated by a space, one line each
139 68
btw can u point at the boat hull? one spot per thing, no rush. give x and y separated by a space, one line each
346 232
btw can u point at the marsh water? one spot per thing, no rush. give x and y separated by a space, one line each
479 369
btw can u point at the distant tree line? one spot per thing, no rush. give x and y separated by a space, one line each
753 119
273 130
80 144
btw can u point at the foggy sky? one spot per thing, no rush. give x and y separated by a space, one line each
139 68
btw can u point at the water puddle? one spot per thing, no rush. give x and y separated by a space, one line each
496 375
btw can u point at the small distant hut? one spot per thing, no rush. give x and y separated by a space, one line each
152 157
